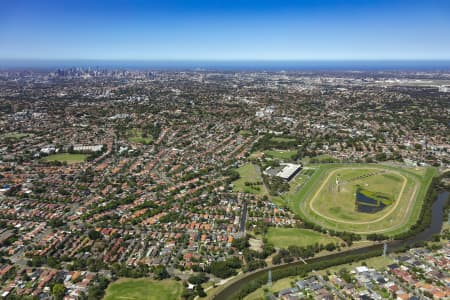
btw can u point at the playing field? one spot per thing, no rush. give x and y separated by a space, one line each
328 198
70 158
245 133
135 135
250 175
282 139
280 154
143 289
285 237
15 135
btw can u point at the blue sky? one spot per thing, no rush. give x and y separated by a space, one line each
225 30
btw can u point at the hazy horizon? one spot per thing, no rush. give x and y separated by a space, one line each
233 65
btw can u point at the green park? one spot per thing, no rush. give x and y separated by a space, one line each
285 237
143 289
70 158
250 180
139 136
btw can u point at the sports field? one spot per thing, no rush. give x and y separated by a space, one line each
70 158
250 180
135 135
278 139
285 237
143 289
280 154
328 197
245 132
15 135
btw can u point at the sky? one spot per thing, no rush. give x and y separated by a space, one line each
225 30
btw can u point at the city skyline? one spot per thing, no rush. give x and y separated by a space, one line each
235 30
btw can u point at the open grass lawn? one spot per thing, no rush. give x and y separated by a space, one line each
250 174
285 237
135 135
15 135
320 201
324 158
256 155
278 139
280 154
245 133
143 289
308 172
379 263
66 157
277 286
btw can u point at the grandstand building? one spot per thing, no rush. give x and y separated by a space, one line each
286 171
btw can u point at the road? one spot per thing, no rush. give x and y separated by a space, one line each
243 217
433 228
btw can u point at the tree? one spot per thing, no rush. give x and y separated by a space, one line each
330 246
198 279
97 291
240 243
54 223
224 269
94 235
200 291
160 273
58 291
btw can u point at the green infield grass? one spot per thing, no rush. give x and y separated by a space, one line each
143 289
332 205
70 158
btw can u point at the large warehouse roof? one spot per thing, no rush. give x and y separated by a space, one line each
288 170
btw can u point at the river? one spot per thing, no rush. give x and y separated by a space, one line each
426 235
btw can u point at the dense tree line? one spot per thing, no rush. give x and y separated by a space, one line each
300 270
97 291
424 219
348 237
224 269
276 184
